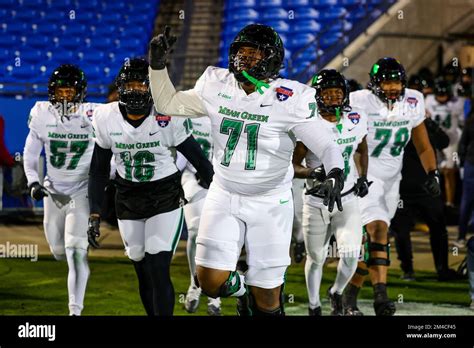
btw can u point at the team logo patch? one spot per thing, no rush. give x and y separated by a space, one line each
162 120
413 102
354 117
283 93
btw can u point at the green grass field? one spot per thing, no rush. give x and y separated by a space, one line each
39 288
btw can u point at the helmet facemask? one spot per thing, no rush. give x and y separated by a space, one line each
67 88
388 71
332 92
256 55
134 88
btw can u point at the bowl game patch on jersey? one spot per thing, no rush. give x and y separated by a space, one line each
413 102
354 117
283 93
162 120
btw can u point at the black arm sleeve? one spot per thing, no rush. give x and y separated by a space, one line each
191 149
99 174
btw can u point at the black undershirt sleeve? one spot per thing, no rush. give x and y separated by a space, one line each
99 174
191 149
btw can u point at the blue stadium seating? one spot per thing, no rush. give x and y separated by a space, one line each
95 34
307 27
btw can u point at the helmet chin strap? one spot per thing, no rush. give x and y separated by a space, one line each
258 84
338 119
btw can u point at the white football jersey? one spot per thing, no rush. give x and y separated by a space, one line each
446 115
68 141
141 154
253 143
201 130
389 130
353 131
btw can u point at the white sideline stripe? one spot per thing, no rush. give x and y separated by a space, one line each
407 308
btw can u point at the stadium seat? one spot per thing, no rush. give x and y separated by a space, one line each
356 15
274 14
299 40
74 29
8 3
265 4
305 26
241 4
242 14
323 4
58 57
333 13
329 39
306 13
351 2
293 4
47 29
15 28
36 41
86 18
31 56
280 26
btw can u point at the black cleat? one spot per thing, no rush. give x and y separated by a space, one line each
448 275
299 252
349 301
316 312
383 306
408 276
335 299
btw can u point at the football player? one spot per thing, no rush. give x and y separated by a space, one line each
62 126
255 117
395 113
195 191
349 126
446 111
149 196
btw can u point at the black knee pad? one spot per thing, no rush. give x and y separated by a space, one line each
362 271
231 285
379 261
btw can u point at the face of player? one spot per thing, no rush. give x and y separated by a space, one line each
136 86
427 90
65 94
391 89
332 96
247 57
442 98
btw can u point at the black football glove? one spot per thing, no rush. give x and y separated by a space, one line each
361 188
93 231
431 184
37 191
330 189
160 47
318 173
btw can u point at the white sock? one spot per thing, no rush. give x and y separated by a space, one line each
313 273
345 270
77 278
191 253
